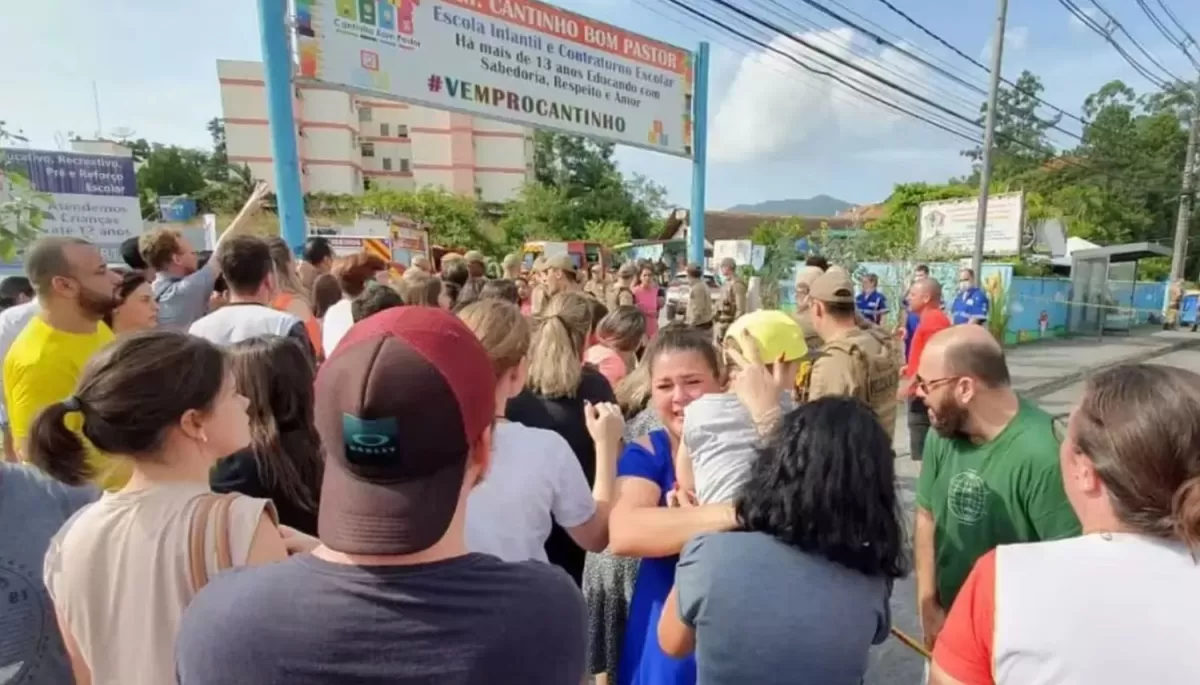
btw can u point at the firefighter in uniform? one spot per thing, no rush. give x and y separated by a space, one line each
733 297
856 360
699 312
597 286
620 294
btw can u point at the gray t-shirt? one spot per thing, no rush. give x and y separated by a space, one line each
765 612
723 443
182 301
471 620
32 508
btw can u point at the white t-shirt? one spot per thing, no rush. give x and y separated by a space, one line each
337 322
12 321
240 321
534 476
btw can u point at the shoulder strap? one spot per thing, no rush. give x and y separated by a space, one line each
208 506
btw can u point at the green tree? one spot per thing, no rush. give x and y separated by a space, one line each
539 212
778 237
607 233
897 228
218 162
586 174
1021 143
170 170
453 220
22 209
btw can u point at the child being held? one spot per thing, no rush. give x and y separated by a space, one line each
720 439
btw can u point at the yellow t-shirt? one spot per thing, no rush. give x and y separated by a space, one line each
42 367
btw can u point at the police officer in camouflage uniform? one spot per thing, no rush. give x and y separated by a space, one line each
856 360
733 297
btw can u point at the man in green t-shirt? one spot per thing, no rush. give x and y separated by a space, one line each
991 474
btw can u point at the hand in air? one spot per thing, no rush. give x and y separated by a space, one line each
604 422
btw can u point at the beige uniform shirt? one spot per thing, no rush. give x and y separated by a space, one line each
700 307
860 363
733 300
619 296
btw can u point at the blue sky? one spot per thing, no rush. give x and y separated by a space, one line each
775 132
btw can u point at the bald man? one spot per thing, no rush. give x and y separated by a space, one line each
991 474
925 304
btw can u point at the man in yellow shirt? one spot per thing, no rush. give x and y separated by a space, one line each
75 290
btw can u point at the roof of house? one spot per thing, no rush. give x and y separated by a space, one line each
739 226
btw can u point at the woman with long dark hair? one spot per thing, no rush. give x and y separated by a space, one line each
819 513
283 461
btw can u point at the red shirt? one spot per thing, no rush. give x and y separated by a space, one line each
932 321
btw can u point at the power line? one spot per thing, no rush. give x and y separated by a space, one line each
738 48
942 41
930 86
880 40
1180 43
820 72
1090 23
1063 159
1171 15
1121 27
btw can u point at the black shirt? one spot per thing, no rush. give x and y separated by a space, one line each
564 415
239 473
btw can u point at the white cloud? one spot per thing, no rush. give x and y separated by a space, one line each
1092 13
774 108
1015 40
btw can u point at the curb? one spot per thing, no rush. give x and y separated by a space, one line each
1079 374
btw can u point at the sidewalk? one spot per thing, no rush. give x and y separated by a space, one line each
1042 368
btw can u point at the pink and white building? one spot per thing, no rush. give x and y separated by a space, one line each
349 142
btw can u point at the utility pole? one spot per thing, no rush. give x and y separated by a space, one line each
989 130
1186 196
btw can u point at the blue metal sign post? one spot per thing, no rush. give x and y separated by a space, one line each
699 156
277 73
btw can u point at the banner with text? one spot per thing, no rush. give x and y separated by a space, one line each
950 225
520 61
93 197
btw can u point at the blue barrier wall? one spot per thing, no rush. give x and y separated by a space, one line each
1036 307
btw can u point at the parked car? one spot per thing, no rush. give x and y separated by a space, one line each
677 293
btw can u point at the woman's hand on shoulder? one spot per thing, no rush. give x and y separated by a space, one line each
297 542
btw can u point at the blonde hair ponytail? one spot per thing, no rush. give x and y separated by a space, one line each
556 352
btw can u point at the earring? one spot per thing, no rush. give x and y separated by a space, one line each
203 438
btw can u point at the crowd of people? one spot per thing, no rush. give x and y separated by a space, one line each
263 469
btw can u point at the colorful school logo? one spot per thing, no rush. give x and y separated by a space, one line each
390 22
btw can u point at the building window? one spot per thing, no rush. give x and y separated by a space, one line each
368 149
364 113
387 163
401 130
404 166
384 130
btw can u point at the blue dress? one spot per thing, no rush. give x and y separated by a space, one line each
642 661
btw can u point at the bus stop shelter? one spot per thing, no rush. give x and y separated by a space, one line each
1093 307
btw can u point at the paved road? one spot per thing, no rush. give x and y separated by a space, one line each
892 663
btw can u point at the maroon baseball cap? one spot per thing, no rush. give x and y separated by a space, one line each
398 405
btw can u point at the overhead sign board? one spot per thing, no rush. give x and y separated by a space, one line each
93 197
521 61
950 225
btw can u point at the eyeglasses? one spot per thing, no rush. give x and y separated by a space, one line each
925 385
